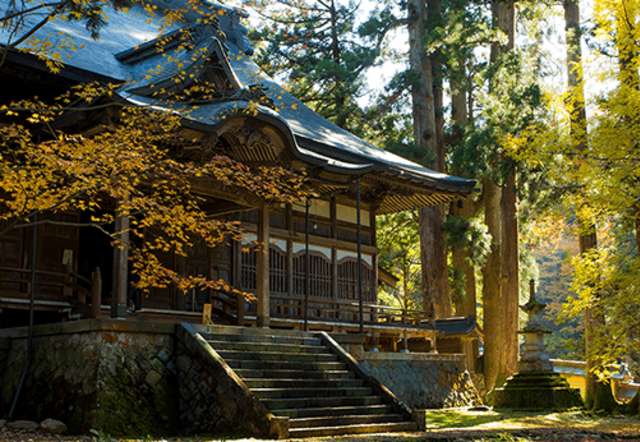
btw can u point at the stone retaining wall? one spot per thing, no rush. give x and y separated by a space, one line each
135 378
423 380
213 399
114 376
127 378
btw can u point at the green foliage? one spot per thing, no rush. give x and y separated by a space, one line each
606 282
468 232
399 253
316 49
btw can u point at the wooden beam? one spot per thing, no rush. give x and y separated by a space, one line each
313 239
262 268
210 188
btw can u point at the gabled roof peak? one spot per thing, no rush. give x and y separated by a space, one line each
228 18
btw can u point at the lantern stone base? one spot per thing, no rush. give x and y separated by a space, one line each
537 391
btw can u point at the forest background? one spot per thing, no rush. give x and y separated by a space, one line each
538 102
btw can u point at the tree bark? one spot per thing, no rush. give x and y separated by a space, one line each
493 304
459 112
434 270
336 54
465 302
500 275
509 281
587 239
437 300
460 254
437 65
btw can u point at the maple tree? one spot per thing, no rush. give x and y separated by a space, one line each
129 165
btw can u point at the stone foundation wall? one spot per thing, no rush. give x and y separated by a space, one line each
135 378
117 377
213 399
423 380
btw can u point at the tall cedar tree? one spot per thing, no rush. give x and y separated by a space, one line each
500 273
464 294
428 137
315 49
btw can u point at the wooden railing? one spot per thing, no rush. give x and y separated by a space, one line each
334 311
59 286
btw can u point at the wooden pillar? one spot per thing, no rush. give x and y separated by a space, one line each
307 263
334 255
291 233
290 279
467 344
289 220
120 267
374 256
236 263
96 293
359 255
262 268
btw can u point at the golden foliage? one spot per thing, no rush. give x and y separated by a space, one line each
130 164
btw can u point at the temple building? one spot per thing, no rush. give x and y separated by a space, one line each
320 271
298 361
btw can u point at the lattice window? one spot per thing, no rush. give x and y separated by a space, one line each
348 280
277 270
319 275
248 269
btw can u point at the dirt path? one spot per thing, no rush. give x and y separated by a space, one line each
555 434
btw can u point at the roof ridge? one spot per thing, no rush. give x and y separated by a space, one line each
229 22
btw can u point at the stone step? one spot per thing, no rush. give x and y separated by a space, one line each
336 411
277 356
266 338
268 393
352 429
316 402
285 365
293 374
255 331
301 382
355 419
274 374
267 347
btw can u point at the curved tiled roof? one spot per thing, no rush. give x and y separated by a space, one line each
129 31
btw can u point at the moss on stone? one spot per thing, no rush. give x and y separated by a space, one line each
123 411
536 391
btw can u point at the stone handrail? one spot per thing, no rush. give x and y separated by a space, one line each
250 412
377 386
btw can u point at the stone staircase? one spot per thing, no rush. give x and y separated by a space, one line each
309 379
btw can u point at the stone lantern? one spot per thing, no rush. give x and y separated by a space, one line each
534 358
536 386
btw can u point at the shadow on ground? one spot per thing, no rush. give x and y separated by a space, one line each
449 425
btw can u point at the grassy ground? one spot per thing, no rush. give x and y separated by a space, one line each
446 420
